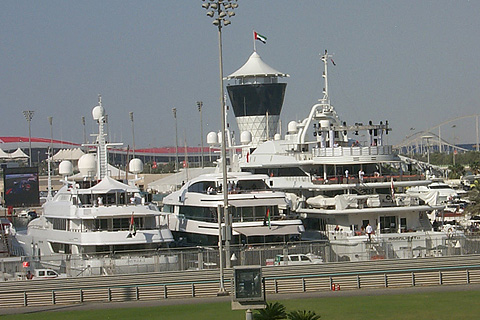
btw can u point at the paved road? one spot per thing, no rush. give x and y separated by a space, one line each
167 302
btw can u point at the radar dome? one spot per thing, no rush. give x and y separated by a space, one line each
292 127
135 165
65 168
87 165
246 137
212 138
277 137
98 112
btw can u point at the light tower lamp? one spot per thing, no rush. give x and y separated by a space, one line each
219 11
200 105
28 116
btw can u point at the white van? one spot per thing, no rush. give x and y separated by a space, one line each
295 259
46 274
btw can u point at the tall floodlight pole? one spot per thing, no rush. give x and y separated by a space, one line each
220 10
133 132
28 116
84 132
174 110
50 121
200 105
454 144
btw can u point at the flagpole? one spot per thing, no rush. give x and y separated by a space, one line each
254 45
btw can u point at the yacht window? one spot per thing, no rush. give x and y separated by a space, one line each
201 187
60 247
101 224
388 224
251 185
304 258
403 224
199 213
365 223
168 208
294 258
439 186
121 224
58 224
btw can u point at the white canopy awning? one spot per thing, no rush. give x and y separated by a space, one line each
256 67
257 202
68 154
109 185
268 231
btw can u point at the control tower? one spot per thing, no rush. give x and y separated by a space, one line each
257 98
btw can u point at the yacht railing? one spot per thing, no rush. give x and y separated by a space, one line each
333 179
351 151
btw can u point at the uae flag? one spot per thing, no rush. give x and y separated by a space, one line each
132 229
258 36
269 219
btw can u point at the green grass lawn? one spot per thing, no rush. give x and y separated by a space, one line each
434 305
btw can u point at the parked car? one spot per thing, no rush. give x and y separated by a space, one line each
27 213
46 274
299 258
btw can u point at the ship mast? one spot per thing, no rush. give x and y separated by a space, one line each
325 101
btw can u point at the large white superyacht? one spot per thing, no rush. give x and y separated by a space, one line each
97 222
339 184
257 214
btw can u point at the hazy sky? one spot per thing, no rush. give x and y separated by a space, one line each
415 63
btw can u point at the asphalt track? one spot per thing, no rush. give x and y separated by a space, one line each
168 302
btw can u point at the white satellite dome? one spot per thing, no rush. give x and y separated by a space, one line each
277 137
245 137
135 165
98 112
87 165
65 168
292 127
212 138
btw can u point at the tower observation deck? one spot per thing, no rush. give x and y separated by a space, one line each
257 98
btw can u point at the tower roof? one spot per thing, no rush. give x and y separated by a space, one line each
255 67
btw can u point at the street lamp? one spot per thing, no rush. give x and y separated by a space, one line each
28 116
200 105
50 121
454 145
133 132
174 110
428 147
84 133
220 10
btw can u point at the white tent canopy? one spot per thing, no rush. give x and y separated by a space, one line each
4 155
256 67
109 185
17 154
68 154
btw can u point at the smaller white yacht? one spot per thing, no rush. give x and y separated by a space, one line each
443 191
95 221
257 213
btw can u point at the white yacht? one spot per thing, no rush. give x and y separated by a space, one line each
340 178
257 214
445 192
96 217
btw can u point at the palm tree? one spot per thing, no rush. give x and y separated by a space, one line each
456 171
303 315
475 167
273 311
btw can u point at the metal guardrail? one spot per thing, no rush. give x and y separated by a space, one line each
278 279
